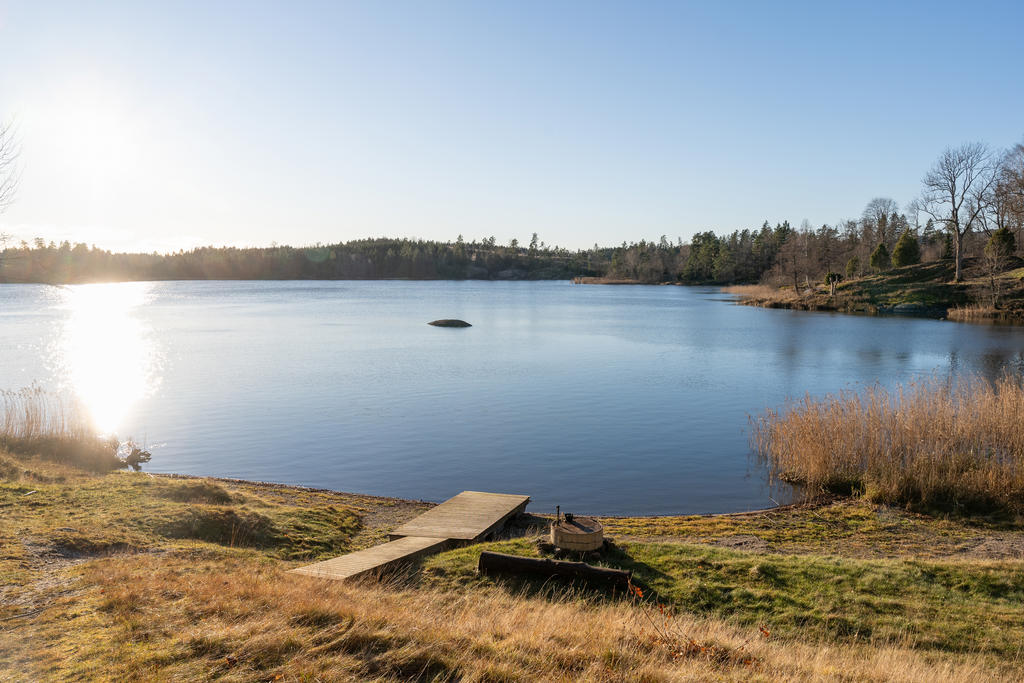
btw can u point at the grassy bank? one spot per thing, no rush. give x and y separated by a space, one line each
924 289
129 576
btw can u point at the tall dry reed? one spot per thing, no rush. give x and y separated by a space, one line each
973 312
762 292
933 444
34 421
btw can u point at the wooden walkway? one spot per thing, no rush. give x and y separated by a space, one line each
468 517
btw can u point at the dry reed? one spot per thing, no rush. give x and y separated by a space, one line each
34 421
762 293
932 444
973 312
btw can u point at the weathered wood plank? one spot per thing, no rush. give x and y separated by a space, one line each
378 557
469 516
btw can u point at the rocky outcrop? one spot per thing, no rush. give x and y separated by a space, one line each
449 322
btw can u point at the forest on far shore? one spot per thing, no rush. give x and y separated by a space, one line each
971 204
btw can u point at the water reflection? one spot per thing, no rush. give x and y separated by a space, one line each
105 351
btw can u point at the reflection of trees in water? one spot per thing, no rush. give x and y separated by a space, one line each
991 364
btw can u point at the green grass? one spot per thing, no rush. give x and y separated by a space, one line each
955 606
124 511
845 527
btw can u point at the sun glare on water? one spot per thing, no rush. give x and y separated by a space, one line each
107 353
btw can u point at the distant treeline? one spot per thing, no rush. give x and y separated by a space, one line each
972 203
368 259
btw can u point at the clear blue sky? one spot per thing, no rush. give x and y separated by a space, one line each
164 126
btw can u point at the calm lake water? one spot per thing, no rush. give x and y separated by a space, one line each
615 400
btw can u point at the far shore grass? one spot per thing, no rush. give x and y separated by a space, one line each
925 289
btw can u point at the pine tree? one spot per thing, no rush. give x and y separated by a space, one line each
906 252
880 257
853 266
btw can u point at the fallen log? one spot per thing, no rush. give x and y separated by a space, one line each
500 563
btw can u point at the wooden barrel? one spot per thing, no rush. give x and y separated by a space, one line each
580 534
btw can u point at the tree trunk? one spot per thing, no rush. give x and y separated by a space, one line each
958 246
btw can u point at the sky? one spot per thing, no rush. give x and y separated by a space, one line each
160 126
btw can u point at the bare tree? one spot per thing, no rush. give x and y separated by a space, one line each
1006 209
956 192
877 218
8 177
8 166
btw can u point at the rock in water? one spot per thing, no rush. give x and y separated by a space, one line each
449 323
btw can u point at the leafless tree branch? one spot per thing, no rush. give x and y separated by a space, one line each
9 172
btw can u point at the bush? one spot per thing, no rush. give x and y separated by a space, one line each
1000 245
907 252
831 280
853 267
880 257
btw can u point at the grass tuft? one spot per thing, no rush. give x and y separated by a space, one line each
225 526
196 492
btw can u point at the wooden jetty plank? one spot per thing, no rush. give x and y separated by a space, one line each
469 516
378 557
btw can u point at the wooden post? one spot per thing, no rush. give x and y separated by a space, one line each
500 563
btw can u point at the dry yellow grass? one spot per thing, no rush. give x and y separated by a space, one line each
934 443
762 294
974 313
189 617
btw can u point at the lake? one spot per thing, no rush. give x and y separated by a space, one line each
601 399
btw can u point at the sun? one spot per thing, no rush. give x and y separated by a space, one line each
96 133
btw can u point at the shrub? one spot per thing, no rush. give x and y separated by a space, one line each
853 266
1001 245
907 251
831 280
880 257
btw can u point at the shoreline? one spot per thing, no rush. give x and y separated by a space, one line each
895 311
421 501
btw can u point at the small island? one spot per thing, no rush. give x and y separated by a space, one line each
449 322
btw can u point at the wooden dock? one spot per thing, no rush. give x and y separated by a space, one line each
469 517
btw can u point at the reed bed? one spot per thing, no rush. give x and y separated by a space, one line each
933 444
34 421
763 293
973 312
